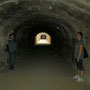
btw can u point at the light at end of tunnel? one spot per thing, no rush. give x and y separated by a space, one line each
43 39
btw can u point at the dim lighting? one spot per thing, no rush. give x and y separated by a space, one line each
57 27
50 7
30 8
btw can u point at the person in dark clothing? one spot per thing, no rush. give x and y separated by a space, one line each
12 50
79 54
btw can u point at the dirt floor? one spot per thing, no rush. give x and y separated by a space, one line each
40 72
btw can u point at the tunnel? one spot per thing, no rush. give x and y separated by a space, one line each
45 36
61 38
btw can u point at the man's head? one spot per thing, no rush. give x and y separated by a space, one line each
11 36
79 35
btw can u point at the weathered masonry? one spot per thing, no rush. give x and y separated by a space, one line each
65 17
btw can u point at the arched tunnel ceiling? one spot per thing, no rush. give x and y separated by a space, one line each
14 12
66 7
73 15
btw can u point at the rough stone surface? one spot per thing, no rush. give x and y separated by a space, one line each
73 14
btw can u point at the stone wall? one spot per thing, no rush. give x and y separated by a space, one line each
72 14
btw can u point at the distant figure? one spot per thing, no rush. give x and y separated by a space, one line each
12 50
79 55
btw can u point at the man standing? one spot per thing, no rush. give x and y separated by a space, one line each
79 55
12 49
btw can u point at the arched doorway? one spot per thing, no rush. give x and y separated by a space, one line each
43 38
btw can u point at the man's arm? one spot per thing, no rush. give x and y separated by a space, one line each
80 51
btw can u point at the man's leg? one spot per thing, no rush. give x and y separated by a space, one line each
81 74
11 62
77 70
81 69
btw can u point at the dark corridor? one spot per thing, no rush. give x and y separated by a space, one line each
41 67
61 42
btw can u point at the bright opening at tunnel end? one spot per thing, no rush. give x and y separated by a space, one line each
42 38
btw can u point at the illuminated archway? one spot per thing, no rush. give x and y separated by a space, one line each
43 39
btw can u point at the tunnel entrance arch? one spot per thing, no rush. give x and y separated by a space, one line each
42 38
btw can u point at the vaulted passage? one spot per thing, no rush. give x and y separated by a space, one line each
42 66
61 37
45 32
